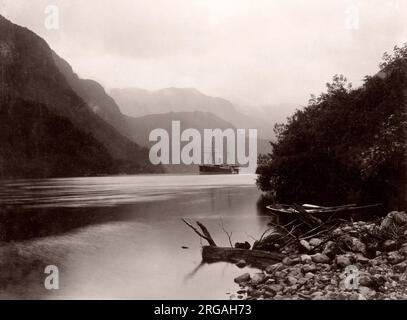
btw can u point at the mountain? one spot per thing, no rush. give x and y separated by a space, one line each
140 128
94 95
30 77
37 143
138 102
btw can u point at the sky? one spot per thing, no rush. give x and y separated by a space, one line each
254 52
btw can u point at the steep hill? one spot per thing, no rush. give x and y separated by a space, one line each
29 75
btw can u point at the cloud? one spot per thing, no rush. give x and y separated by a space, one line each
257 51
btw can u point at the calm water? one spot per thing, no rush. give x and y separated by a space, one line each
121 237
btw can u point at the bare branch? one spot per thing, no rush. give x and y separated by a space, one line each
229 235
205 233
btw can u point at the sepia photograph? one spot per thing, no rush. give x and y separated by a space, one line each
201 150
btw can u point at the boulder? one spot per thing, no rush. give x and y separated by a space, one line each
389 245
401 267
309 268
353 243
343 261
241 263
361 258
305 258
314 242
320 258
399 217
274 267
394 218
288 261
275 288
243 278
395 257
366 281
403 250
330 249
305 245
358 246
242 245
292 281
366 292
258 278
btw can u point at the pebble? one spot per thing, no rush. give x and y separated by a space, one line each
322 275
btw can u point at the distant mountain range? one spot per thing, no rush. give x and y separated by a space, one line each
53 123
136 102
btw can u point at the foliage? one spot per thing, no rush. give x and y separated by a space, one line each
347 145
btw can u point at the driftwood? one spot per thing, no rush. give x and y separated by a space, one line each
255 258
213 253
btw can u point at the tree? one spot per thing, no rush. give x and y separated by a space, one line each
347 145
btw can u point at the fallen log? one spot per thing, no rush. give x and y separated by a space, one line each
255 258
212 253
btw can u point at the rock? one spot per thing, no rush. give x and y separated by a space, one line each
392 219
361 258
292 281
330 249
305 245
315 242
305 258
309 275
275 288
347 229
287 261
243 278
399 218
317 295
274 267
242 245
309 268
343 261
395 257
358 246
403 250
280 274
241 263
353 243
366 292
295 271
389 245
254 293
320 258
258 278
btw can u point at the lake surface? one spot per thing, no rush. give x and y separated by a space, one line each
121 237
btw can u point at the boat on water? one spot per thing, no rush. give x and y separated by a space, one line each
213 168
321 212
218 169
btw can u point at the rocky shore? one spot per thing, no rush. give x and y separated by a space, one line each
358 261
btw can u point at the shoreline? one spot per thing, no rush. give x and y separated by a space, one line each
365 270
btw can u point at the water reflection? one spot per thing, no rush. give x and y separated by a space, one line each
121 237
